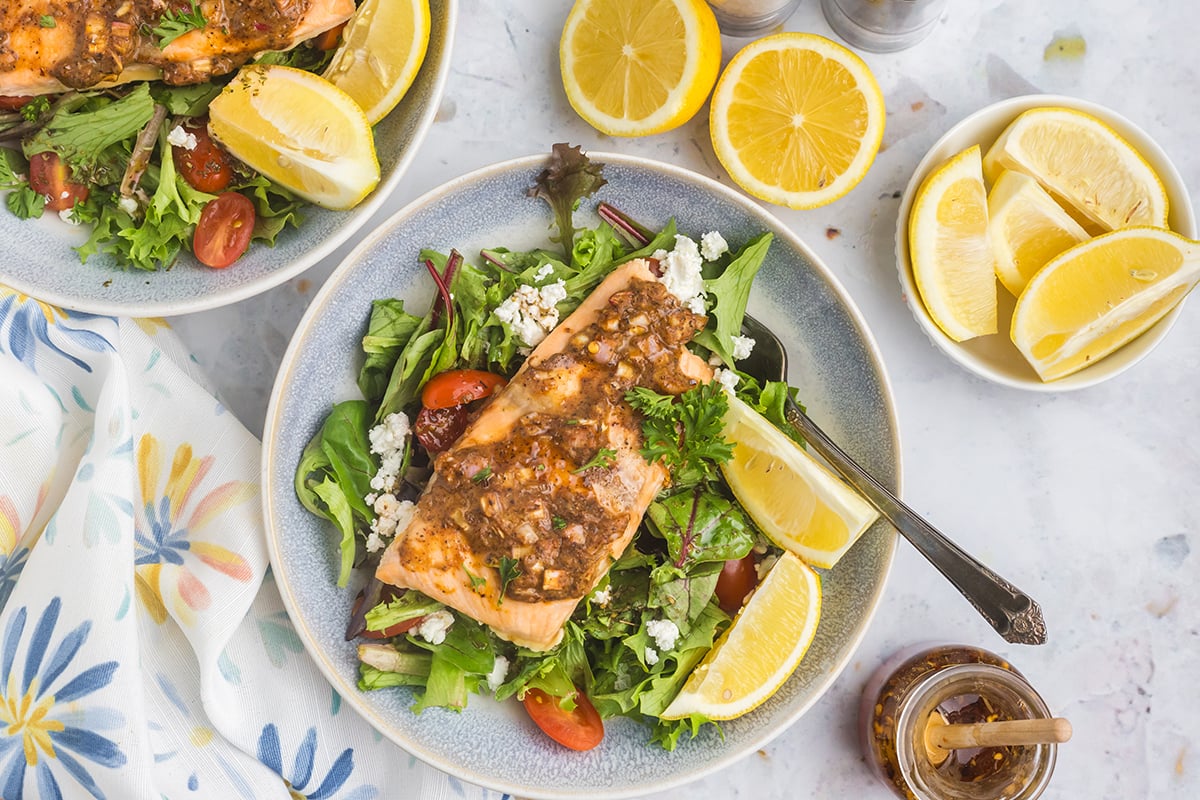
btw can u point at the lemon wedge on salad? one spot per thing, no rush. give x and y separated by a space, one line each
382 48
792 497
760 650
300 131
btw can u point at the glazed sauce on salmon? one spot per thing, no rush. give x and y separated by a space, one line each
542 495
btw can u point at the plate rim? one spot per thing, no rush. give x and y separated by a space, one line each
362 214
331 286
1009 108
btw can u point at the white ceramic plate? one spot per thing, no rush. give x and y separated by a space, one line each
834 361
995 357
36 256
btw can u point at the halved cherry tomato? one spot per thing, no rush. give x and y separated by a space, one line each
327 40
207 167
13 102
737 579
458 386
224 230
580 729
51 178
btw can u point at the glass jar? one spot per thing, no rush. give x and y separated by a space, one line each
750 18
961 684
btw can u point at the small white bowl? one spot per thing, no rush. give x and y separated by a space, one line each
995 357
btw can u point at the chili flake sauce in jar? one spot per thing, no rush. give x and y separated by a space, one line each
960 684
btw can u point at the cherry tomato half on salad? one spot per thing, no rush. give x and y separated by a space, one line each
457 387
737 579
207 167
224 230
580 729
51 178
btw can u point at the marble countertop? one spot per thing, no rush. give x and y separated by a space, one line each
1079 498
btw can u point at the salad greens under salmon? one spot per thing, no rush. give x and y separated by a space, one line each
637 634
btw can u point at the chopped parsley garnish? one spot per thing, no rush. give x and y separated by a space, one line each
482 475
604 458
558 522
174 24
47 21
477 582
684 433
510 570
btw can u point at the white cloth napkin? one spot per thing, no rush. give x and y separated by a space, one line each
144 650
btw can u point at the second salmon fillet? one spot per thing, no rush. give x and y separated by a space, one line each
529 508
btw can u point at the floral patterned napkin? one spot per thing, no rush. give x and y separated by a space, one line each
144 650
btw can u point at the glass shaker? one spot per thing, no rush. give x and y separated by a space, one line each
932 684
751 17
882 26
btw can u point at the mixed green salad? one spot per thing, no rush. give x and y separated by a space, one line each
136 165
633 640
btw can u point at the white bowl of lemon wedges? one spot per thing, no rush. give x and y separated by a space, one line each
1046 243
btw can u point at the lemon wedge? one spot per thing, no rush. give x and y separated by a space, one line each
382 48
949 248
633 69
300 131
1083 161
796 119
1101 294
1026 228
763 646
792 497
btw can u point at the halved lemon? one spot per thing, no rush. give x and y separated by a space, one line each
1101 294
1026 228
948 245
797 119
300 131
760 650
382 48
1083 161
792 497
632 69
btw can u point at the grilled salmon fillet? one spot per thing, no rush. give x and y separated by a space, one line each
527 510
49 46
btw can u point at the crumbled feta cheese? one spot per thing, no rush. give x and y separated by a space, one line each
681 273
713 245
601 597
651 656
129 205
544 271
433 628
498 674
742 346
387 441
181 138
664 633
764 566
391 515
67 215
531 312
727 378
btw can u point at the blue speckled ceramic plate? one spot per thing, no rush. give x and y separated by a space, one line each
36 256
834 362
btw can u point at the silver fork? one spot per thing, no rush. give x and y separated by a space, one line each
1013 614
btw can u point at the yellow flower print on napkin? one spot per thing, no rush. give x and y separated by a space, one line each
170 550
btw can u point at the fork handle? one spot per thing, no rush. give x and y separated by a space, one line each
1013 614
